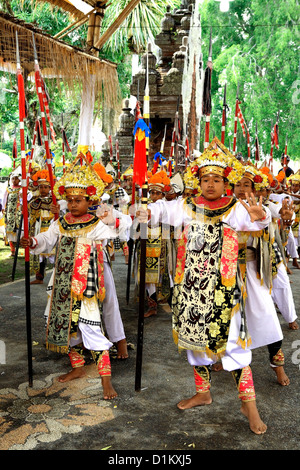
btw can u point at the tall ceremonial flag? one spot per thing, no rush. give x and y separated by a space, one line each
36 136
118 161
15 152
206 103
140 167
187 148
159 156
225 107
235 121
241 118
257 151
65 143
39 89
271 151
276 132
248 145
22 116
110 149
285 155
175 137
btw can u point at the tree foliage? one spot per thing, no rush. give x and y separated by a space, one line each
256 46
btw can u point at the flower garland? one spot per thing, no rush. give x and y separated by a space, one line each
259 178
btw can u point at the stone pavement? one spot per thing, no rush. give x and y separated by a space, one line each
73 416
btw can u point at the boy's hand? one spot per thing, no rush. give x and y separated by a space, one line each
54 208
254 209
105 214
26 242
287 210
143 215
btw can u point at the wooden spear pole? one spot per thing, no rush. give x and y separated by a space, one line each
143 241
22 114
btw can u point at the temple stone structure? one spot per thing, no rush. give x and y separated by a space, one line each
165 84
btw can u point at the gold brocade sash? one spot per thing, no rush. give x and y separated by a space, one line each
205 289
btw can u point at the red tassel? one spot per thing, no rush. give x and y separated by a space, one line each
155 166
140 162
276 136
22 104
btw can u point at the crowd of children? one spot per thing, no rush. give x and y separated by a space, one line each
219 238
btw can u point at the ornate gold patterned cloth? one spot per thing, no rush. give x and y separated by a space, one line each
204 297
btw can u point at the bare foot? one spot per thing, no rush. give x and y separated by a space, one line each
249 410
197 400
122 349
282 378
288 270
295 264
150 313
108 390
294 325
217 367
37 281
73 374
1 308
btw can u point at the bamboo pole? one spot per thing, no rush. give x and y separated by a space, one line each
115 25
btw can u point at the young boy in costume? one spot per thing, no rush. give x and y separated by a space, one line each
208 318
41 214
282 213
74 309
158 282
12 209
111 311
294 191
257 267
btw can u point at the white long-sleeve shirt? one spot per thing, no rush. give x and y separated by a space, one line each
45 242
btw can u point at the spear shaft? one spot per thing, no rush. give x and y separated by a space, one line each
143 241
22 113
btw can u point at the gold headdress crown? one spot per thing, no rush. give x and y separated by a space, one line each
127 173
294 178
80 180
215 159
257 177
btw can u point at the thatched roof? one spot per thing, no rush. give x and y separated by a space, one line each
56 58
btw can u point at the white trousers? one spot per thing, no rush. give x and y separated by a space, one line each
111 311
91 337
291 246
283 296
235 356
261 315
